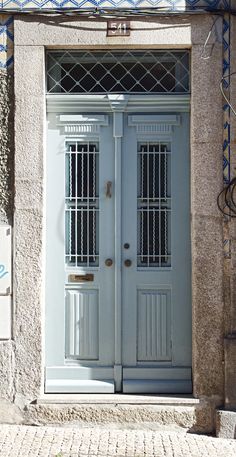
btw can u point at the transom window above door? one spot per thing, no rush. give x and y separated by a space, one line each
150 71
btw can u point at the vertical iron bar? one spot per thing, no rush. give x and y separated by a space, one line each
141 204
166 234
76 203
82 206
165 174
154 199
148 205
70 195
69 222
94 202
88 208
159 194
167 204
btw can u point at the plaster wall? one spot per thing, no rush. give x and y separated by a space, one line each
33 34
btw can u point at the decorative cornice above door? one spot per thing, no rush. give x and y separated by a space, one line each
101 103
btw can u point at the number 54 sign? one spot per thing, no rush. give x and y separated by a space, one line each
118 28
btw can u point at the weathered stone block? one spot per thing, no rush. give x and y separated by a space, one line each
230 371
226 424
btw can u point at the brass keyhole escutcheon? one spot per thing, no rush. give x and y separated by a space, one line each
128 263
108 262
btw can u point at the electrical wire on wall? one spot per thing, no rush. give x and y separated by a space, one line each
226 199
206 55
223 94
134 12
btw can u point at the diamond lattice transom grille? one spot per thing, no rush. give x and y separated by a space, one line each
118 72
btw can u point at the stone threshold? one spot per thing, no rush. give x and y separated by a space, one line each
117 399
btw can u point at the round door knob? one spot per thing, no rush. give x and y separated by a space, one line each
108 262
128 263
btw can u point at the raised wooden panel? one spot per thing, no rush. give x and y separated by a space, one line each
79 379
82 324
154 325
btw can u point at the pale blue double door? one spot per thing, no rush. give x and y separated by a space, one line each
118 304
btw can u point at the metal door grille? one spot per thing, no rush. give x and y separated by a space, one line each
154 204
118 72
82 203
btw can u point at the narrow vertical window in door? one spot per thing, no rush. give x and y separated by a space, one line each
154 204
82 204
81 230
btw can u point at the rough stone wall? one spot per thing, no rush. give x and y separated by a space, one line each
6 146
29 210
206 220
6 209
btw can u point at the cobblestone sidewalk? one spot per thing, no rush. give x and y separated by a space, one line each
25 441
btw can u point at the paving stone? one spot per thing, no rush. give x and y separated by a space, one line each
95 441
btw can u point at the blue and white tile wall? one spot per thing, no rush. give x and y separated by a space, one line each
6 41
226 87
165 5
226 123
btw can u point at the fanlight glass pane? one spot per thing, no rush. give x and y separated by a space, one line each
133 71
82 203
154 204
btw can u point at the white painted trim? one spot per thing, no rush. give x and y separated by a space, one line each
154 124
81 124
133 103
170 119
83 119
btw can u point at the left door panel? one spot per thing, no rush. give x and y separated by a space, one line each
79 239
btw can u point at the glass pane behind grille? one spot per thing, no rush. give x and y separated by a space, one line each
154 204
82 204
118 71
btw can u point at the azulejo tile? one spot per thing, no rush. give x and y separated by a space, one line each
6 41
222 4
166 5
226 108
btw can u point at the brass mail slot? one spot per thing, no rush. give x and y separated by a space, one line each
81 278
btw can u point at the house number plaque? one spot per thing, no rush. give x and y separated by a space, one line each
118 28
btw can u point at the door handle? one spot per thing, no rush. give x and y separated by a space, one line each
108 189
128 262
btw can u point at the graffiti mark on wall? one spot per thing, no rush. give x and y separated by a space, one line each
3 271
